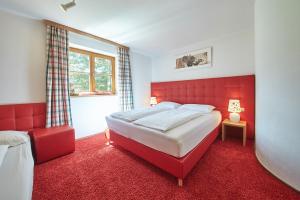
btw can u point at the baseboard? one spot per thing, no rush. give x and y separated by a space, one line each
85 137
274 174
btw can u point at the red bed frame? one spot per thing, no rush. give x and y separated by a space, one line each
214 91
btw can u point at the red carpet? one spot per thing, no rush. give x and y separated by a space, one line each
96 171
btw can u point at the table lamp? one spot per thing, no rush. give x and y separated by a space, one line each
153 101
234 108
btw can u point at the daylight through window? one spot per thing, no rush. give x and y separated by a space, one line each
91 73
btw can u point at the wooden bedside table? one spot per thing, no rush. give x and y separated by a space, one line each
241 124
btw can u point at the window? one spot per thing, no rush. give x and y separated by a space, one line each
91 73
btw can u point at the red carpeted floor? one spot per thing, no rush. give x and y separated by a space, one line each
96 171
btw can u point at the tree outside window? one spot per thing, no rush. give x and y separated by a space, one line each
91 73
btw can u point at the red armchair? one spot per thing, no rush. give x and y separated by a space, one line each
47 143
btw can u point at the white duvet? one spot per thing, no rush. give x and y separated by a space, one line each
133 115
167 120
3 150
10 139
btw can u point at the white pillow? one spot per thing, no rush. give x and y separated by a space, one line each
198 107
168 104
13 138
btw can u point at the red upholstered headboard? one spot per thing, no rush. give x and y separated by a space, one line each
22 117
213 91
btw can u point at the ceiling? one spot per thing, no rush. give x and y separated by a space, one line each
150 26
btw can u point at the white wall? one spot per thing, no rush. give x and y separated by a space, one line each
141 79
88 113
22 57
277 51
231 55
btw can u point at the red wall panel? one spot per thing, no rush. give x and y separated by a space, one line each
7 118
22 117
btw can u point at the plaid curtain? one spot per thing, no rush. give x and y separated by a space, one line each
58 96
125 81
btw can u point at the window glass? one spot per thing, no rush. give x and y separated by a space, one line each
91 73
79 67
103 65
103 74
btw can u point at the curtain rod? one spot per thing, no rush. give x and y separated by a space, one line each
51 23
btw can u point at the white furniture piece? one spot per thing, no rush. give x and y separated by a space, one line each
16 172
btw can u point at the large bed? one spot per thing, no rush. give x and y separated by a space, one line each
176 142
178 150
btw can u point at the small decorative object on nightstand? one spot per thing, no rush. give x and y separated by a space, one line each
234 108
240 124
153 101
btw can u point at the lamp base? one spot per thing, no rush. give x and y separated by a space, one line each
234 117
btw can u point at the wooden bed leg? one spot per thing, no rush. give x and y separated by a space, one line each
180 182
107 136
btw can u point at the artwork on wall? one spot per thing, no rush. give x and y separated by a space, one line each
195 59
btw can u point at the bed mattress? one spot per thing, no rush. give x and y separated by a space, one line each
176 142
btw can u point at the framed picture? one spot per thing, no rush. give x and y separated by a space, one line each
195 59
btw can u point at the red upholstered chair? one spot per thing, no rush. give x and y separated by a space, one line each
47 143
50 143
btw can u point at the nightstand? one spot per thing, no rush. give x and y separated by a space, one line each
240 124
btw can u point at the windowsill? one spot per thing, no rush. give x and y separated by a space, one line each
93 94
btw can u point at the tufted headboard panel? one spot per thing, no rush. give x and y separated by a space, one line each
22 117
213 91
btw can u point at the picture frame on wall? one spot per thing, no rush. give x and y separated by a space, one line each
195 59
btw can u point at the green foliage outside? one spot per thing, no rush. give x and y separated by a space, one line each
103 74
79 68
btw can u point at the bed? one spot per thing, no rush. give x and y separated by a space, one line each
215 91
176 142
16 168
